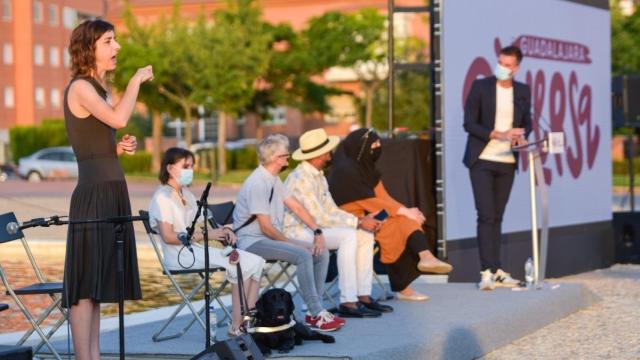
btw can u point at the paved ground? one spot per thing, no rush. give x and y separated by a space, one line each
606 330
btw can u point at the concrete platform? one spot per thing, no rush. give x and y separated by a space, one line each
459 322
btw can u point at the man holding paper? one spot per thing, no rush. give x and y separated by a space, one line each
497 116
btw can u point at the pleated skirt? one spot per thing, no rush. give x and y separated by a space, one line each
91 262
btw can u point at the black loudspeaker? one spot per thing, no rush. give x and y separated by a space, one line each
626 229
15 353
237 348
625 91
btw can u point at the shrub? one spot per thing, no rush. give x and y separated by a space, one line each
622 167
140 162
25 140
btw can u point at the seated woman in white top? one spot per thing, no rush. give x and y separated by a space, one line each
173 208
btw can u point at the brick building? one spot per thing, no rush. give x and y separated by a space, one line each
34 62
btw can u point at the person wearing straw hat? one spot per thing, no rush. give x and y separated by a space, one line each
350 235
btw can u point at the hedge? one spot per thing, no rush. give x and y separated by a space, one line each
25 140
622 167
140 162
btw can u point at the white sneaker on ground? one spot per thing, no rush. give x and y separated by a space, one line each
486 280
503 279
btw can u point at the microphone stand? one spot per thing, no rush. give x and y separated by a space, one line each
118 222
202 204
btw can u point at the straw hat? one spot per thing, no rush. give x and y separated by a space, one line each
314 143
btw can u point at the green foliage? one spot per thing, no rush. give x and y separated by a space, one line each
139 126
625 41
411 103
136 163
621 167
237 159
237 57
341 39
245 158
25 140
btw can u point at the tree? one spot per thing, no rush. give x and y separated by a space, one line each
355 41
412 96
625 41
141 46
287 79
237 58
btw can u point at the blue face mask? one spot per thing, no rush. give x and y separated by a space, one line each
186 177
501 72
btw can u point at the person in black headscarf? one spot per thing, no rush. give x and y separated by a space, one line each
356 186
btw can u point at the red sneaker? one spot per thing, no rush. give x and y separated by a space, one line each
325 321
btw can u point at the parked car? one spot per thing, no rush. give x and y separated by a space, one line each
48 163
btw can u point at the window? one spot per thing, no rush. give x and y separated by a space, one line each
6 10
37 12
69 17
8 97
66 58
7 54
38 55
68 156
55 98
54 56
277 116
39 97
53 15
52 156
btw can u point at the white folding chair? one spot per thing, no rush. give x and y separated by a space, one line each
42 287
154 237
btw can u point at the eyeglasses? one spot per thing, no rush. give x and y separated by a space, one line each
364 137
283 156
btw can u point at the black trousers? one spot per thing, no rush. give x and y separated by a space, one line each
491 182
403 271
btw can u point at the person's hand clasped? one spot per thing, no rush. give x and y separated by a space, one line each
413 214
318 245
128 144
369 223
231 237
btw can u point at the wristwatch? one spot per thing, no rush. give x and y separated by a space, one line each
317 232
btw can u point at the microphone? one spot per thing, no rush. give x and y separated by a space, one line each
184 239
521 99
13 227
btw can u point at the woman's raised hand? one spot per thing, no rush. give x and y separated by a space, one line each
144 74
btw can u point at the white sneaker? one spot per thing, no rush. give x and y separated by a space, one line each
503 279
486 280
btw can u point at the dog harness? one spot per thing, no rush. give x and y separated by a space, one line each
271 329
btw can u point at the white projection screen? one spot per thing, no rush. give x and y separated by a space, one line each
567 63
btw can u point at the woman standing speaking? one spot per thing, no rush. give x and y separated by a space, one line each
91 120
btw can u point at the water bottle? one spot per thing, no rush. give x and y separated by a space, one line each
528 272
212 316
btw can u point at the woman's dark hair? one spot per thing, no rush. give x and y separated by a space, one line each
82 46
512 50
172 156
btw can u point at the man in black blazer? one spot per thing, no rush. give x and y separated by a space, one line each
496 116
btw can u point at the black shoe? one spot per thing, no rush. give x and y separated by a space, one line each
376 306
359 311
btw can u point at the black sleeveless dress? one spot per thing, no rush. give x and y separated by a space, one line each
90 270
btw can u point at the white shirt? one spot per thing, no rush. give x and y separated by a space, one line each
500 150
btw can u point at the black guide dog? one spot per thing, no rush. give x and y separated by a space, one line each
274 309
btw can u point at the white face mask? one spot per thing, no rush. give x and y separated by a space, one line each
501 72
186 177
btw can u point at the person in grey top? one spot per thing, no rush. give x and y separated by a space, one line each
258 218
